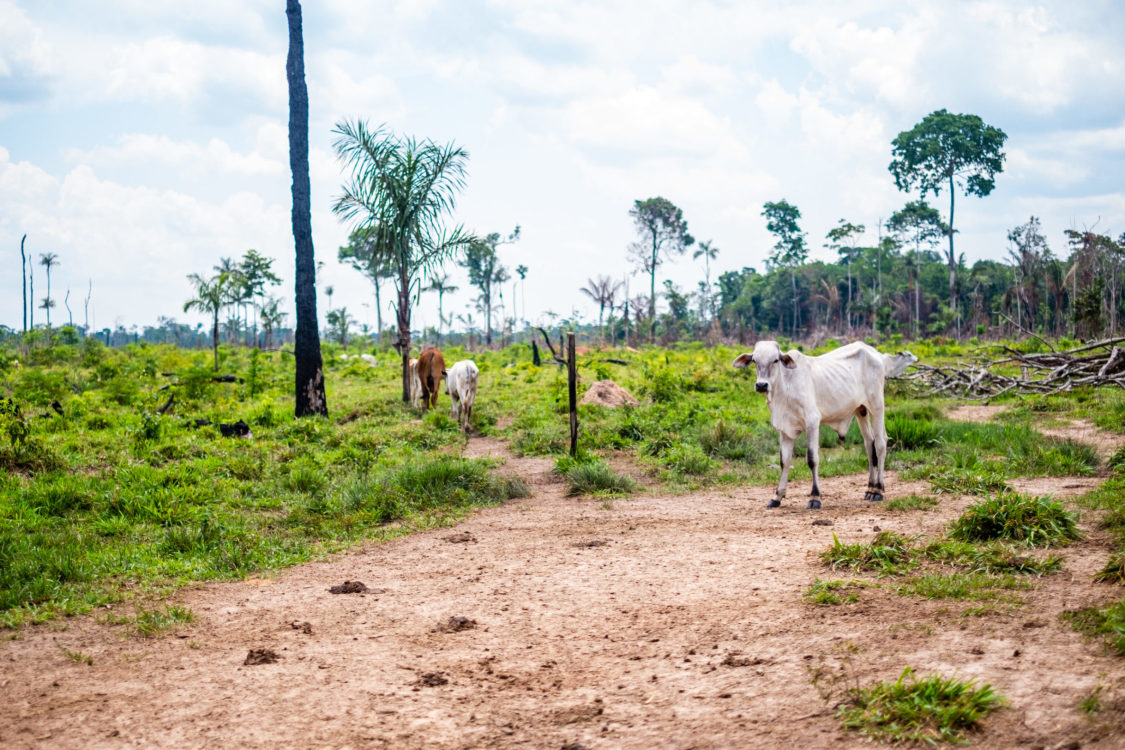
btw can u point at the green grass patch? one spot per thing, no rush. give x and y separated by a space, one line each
1114 571
930 709
1034 521
831 593
961 586
592 476
914 502
889 554
152 622
1104 622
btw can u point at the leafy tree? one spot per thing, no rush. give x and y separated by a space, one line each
272 317
310 398
339 322
943 151
401 189
483 264
255 273
918 224
790 250
663 232
842 238
210 298
364 254
48 261
440 285
521 271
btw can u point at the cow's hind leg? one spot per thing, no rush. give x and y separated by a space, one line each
786 462
879 442
874 458
812 431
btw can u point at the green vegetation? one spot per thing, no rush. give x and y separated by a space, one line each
1034 521
1107 622
913 502
931 709
834 592
588 475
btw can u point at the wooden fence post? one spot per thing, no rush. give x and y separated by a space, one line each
571 387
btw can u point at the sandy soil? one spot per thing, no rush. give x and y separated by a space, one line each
554 622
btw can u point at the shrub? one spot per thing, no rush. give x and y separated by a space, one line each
595 477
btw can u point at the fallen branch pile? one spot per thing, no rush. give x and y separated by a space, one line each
1094 364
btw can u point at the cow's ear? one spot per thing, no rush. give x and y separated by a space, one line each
788 361
743 360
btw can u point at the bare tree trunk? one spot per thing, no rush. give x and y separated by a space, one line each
402 343
953 264
23 281
310 395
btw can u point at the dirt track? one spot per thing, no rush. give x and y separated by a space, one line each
657 622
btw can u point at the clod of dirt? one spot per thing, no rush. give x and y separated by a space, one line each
456 624
461 538
591 543
432 679
260 656
822 522
737 660
304 627
608 393
349 587
574 746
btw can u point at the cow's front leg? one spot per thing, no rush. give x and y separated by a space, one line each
874 460
786 462
812 430
879 448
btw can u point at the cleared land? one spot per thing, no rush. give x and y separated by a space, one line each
655 621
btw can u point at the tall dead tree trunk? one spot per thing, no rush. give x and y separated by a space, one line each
310 396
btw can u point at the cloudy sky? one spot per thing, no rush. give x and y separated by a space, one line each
142 141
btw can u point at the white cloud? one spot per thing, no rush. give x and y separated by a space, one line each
214 157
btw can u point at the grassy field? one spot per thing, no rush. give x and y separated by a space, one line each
104 499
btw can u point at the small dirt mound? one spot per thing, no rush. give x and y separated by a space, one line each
349 587
608 393
462 538
304 627
456 624
591 543
432 679
260 656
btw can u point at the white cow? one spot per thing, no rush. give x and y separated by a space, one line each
803 392
415 383
461 385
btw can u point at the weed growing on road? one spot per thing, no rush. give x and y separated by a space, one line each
834 592
931 709
1034 521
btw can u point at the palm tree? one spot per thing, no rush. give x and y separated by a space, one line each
272 317
210 297
708 252
310 396
402 188
23 279
48 261
441 285
603 291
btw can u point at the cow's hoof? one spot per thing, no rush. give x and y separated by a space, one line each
874 497
773 504
814 505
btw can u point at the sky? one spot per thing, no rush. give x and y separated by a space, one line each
142 140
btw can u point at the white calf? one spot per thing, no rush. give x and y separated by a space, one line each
461 385
803 392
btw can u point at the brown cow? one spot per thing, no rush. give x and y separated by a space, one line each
431 369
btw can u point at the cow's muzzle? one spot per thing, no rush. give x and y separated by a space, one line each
761 386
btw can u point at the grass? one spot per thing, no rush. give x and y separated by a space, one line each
1107 623
889 554
76 656
930 709
1034 521
830 593
151 622
959 586
592 476
913 502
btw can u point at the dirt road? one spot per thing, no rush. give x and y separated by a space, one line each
552 622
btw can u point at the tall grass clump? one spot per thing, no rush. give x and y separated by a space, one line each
592 476
908 433
1034 521
930 709
888 553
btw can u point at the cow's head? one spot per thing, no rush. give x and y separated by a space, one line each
767 358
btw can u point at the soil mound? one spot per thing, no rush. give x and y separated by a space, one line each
608 393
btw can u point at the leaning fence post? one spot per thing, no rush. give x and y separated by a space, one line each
571 387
